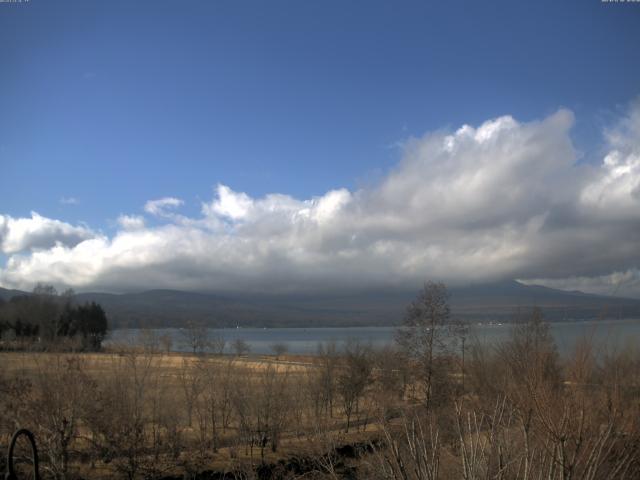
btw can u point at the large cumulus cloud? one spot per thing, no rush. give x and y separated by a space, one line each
37 233
504 199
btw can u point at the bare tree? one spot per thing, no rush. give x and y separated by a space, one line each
275 394
279 349
391 379
411 451
328 359
191 385
323 443
211 404
354 377
262 405
166 342
225 390
217 343
196 337
118 417
149 340
55 411
530 352
240 347
426 332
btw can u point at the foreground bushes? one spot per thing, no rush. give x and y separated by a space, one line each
513 411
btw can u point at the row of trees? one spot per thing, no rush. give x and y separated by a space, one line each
47 318
200 339
142 414
524 412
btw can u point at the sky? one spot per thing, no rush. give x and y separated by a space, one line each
319 146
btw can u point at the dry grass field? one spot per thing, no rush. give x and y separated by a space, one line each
515 411
194 412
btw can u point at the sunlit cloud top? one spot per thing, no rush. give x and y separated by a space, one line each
503 199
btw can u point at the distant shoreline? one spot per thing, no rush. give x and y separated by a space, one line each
304 341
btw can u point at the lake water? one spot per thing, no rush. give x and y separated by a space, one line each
605 333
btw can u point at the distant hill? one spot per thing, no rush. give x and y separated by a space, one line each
477 303
7 294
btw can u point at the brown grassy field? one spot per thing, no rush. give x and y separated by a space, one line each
516 411
174 393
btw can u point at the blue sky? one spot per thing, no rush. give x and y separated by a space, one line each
113 104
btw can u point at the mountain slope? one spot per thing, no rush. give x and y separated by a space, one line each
488 302
6 294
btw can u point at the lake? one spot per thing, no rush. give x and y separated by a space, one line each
606 334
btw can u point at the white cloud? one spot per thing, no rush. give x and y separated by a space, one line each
163 207
37 233
504 199
69 201
613 191
131 222
230 204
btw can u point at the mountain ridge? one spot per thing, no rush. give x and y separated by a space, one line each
473 303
